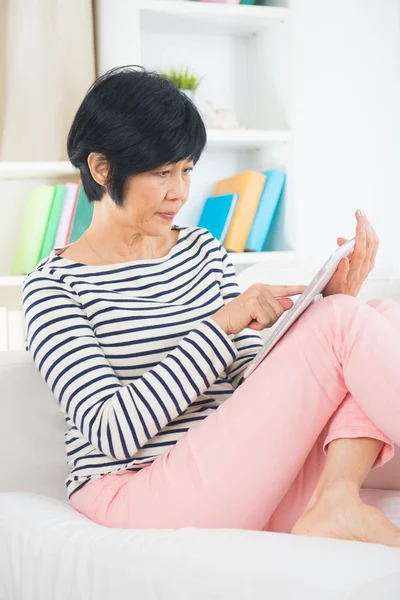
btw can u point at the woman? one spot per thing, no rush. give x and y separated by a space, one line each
141 333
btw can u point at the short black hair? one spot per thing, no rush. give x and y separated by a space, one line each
139 120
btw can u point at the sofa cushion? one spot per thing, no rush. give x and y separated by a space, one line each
48 551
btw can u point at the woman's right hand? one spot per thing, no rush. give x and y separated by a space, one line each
259 307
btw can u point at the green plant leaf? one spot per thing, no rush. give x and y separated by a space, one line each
182 78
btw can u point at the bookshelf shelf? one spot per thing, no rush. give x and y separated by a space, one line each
203 17
245 138
36 170
216 138
11 281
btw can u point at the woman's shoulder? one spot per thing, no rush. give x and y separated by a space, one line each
203 233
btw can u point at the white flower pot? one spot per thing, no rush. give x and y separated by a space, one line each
189 93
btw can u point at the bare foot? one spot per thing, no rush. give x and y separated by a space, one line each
337 514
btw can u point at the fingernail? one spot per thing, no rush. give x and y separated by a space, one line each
362 229
361 213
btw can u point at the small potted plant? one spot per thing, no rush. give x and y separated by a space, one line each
185 81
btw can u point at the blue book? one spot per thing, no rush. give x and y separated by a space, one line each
267 206
217 214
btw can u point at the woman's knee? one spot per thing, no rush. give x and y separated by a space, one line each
329 312
381 304
334 305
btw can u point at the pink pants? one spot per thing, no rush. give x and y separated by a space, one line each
254 463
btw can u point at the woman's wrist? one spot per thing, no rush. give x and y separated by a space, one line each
220 321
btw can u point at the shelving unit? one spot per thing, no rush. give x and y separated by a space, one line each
243 53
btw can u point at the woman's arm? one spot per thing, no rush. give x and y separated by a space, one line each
248 342
117 420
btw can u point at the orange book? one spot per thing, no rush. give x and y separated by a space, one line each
249 185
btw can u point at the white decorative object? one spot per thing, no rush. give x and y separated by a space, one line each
189 93
220 118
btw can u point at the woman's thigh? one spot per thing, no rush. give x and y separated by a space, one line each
234 468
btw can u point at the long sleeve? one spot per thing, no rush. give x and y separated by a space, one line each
116 419
248 342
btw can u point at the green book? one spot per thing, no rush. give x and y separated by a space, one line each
246 1
33 228
82 217
54 220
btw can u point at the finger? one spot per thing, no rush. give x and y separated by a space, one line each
272 308
371 246
286 290
359 252
375 248
274 304
341 241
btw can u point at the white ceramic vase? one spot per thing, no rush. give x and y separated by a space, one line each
189 93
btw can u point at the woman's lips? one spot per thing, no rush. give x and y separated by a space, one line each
168 216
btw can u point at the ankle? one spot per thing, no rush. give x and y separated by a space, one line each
334 490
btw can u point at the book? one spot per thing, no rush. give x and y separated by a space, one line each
16 336
3 329
82 216
54 219
217 215
247 1
33 228
266 209
248 185
67 215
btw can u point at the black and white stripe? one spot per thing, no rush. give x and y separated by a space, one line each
130 351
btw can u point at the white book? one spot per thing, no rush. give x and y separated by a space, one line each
3 329
16 336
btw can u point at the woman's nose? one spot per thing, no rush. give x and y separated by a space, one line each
178 188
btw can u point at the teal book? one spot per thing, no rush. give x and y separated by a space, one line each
82 216
267 206
217 214
54 219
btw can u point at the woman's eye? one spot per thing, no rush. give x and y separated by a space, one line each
164 173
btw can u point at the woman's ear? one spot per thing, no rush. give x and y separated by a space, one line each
98 166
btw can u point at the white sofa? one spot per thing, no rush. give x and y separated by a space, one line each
50 552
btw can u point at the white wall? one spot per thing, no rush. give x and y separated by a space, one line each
346 120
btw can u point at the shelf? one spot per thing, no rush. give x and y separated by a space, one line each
208 18
216 138
12 281
36 170
245 138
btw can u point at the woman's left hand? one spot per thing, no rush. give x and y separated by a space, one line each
352 271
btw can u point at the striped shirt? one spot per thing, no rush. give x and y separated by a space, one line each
130 351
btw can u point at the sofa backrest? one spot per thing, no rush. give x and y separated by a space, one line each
32 455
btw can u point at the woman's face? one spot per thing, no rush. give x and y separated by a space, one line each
164 190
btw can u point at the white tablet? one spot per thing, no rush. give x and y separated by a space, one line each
310 295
